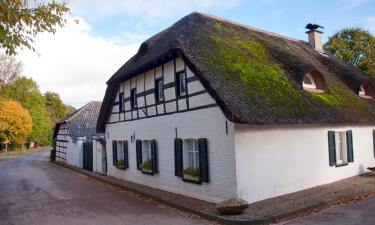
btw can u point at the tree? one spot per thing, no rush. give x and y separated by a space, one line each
56 108
355 46
15 122
20 22
10 69
26 91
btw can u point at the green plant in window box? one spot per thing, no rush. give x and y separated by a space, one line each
146 166
120 164
191 174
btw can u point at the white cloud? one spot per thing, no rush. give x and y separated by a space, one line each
75 64
370 24
156 9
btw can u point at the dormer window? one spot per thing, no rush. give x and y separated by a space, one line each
366 91
314 82
308 82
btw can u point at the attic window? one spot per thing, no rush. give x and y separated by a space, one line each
314 82
366 90
143 49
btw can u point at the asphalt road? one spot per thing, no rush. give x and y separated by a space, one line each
36 192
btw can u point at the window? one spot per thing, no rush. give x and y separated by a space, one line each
121 101
159 92
181 83
308 82
146 152
191 151
191 160
340 148
133 98
120 154
366 90
341 152
314 82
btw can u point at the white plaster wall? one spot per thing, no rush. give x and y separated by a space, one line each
205 123
276 160
74 152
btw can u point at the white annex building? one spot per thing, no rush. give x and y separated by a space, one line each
213 109
73 132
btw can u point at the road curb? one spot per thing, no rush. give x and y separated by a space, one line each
211 216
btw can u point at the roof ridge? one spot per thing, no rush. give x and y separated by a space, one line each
247 26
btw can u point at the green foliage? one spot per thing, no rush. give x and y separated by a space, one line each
239 54
339 97
26 91
55 107
20 23
146 165
120 163
15 122
355 46
194 172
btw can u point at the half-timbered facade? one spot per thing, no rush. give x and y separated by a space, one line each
213 109
61 143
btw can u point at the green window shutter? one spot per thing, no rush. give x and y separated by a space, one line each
349 144
138 146
126 155
114 152
373 140
332 148
154 156
203 159
178 157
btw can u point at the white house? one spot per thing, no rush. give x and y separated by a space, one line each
213 109
74 132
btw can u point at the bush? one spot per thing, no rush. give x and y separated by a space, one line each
146 165
194 172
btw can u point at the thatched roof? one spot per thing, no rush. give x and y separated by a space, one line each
82 122
255 76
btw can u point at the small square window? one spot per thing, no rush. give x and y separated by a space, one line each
133 98
159 91
181 83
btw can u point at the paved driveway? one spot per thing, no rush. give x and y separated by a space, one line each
36 192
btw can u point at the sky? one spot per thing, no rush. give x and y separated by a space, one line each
77 61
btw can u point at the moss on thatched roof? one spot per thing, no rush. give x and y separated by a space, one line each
255 76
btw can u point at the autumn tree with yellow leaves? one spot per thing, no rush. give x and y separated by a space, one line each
15 122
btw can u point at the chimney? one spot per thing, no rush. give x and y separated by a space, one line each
315 36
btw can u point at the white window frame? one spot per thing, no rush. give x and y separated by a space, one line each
341 148
160 93
312 81
146 150
182 83
362 91
191 151
133 98
120 150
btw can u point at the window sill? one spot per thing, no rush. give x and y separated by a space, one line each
120 168
147 172
192 181
341 165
